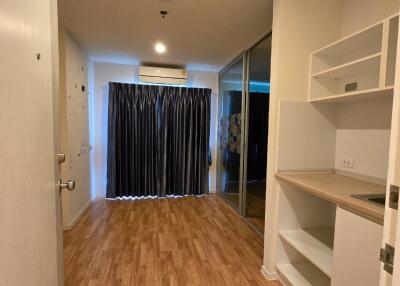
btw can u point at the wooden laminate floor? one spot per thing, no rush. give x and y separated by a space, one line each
185 241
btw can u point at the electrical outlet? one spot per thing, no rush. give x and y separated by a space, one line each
347 162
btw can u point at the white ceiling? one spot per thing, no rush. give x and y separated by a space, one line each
199 34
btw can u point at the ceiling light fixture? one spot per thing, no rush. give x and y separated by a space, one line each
160 48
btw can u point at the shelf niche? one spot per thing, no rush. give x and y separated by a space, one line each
306 233
366 60
302 274
351 48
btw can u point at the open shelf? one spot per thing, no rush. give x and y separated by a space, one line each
315 244
356 95
359 66
365 72
364 65
303 274
358 45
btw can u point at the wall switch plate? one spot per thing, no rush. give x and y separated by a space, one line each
347 162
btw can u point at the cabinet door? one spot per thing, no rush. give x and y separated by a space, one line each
356 250
391 233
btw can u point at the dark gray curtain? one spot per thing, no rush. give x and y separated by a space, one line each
158 138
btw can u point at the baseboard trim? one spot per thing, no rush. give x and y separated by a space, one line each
268 275
104 196
77 217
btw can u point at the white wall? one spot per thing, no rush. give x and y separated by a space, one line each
363 135
307 136
320 136
103 73
74 128
358 14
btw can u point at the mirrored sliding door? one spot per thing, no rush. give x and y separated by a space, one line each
257 111
230 133
243 132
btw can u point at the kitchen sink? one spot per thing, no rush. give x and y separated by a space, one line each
377 199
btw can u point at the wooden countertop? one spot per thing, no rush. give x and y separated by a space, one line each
338 190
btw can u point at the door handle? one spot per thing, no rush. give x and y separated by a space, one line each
69 185
60 158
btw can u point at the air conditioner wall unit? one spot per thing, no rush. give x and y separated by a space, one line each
162 75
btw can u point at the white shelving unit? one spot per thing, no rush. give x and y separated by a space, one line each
367 64
308 224
365 59
314 244
303 274
358 45
306 233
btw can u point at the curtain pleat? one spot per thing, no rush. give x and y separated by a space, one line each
158 140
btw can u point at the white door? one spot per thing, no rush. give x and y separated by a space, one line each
391 234
30 232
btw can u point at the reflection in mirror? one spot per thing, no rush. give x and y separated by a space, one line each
230 133
257 140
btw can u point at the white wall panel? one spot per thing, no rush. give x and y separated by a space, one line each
74 128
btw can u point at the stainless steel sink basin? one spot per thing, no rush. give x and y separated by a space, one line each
377 199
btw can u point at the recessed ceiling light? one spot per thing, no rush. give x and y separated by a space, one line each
160 48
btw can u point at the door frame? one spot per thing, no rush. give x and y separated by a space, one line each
55 70
391 226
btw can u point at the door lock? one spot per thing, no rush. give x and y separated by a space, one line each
69 185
